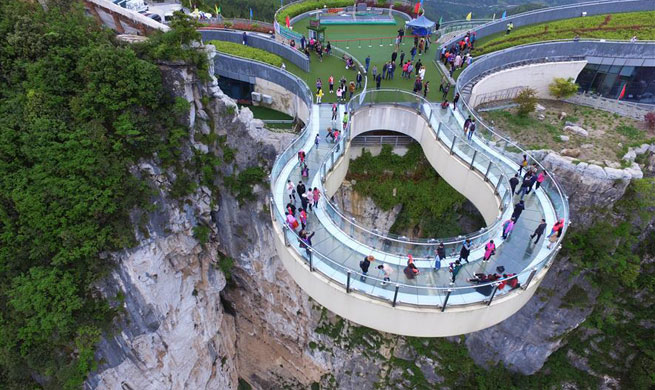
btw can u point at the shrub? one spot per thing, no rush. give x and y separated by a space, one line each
563 88
650 120
201 233
239 50
227 24
527 101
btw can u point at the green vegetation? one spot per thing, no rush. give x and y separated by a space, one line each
609 136
615 340
242 185
430 206
76 112
615 26
248 52
527 101
563 88
361 41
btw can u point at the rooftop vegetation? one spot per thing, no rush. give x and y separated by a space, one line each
621 26
248 52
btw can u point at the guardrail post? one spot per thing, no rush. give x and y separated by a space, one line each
331 161
475 153
438 130
498 184
527 283
445 302
311 262
395 296
452 145
285 228
348 283
486 174
493 294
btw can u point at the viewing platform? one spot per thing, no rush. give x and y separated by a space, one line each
329 271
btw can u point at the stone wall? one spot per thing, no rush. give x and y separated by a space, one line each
535 76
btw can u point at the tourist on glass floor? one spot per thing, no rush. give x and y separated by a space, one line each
539 231
387 272
465 251
472 128
455 268
291 191
518 209
489 250
316 196
302 216
440 255
364 265
508 226
513 182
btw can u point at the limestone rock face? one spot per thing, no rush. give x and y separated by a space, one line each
587 185
524 341
364 209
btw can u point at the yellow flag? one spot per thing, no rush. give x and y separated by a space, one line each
468 17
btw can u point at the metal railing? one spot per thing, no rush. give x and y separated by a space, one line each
394 291
459 147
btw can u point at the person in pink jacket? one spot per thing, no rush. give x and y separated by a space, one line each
317 196
508 226
489 250
540 179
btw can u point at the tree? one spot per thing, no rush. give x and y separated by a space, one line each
527 101
563 88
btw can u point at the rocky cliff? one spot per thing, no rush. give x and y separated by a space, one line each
192 319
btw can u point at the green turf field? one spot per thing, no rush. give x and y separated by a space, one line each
380 51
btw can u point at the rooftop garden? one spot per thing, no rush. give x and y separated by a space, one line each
614 26
248 52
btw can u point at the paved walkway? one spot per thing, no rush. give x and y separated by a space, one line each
336 252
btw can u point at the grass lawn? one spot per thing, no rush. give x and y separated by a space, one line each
614 26
265 113
379 50
610 135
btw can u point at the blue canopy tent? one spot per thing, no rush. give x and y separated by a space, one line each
421 26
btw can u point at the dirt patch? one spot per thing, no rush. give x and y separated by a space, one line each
608 139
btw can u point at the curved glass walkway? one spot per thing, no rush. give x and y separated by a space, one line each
340 242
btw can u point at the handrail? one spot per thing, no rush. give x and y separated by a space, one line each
427 242
524 276
465 108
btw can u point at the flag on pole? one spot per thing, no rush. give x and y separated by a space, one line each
494 17
216 9
417 7
250 13
440 20
468 17
288 23
504 15
622 94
